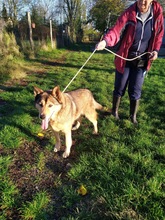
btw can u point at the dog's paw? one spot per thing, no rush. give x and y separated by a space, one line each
95 133
66 154
56 149
76 125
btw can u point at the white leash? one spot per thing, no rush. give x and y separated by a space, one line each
79 70
127 58
92 55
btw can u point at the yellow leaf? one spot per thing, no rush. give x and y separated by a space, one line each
82 190
40 135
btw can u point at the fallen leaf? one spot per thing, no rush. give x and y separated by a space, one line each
40 135
82 190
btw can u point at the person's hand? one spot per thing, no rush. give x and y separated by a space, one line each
153 56
101 45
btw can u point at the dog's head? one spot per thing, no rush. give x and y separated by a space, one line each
48 103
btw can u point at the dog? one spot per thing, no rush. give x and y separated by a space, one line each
63 112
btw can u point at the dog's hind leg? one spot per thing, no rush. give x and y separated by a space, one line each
76 124
92 116
95 131
58 142
68 143
95 127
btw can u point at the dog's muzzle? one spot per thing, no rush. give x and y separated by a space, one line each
42 116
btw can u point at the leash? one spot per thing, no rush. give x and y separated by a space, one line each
127 58
108 51
79 70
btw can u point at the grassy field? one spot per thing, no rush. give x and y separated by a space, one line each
121 171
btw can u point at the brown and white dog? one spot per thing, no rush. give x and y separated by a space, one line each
63 111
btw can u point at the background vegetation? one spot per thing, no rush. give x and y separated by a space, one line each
71 19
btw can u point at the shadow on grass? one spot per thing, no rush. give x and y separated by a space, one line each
68 65
11 108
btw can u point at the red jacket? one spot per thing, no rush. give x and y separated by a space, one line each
129 18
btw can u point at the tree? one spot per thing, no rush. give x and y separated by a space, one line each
72 11
45 8
13 10
105 12
4 12
38 14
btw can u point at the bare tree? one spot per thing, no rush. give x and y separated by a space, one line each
15 8
45 8
72 11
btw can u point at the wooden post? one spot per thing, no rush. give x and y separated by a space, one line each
51 35
30 31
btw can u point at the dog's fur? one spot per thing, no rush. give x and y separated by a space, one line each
63 112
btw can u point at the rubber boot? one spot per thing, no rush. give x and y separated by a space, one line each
133 110
115 107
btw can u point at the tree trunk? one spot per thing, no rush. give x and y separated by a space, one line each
30 31
51 35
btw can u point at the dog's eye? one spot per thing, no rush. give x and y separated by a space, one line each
50 106
40 104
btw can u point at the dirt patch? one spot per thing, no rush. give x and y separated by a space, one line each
36 169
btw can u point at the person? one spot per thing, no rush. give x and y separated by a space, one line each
139 29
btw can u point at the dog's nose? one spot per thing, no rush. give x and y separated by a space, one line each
42 116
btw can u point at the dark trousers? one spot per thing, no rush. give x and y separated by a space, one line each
133 77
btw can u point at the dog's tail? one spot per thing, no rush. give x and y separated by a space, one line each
98 106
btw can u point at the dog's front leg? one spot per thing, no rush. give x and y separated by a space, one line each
68 143
58 142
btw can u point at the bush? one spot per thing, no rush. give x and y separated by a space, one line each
9 55
8 46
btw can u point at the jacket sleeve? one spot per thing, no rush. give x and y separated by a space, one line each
159 32
113 35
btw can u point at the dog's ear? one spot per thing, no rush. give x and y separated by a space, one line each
37 91
56 92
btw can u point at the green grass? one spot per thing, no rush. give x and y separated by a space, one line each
36 208
123 168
